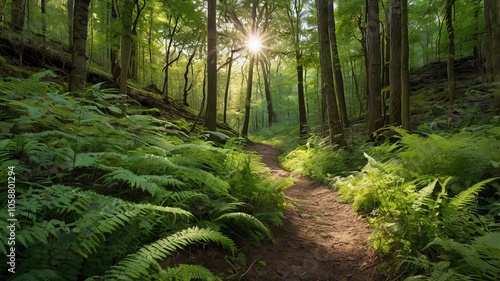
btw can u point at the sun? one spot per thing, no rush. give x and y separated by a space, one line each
254 44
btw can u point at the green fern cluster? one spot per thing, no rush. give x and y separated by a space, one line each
316 160
429 190
104 195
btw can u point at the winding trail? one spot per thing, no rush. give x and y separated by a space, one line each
322 239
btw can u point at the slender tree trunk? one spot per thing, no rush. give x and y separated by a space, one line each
488 40
495 53
248 98
126 44
77 76
43 9
211 120
115 45
374 68
337 70
226 92
451 52
336 133
267 91
294 17
405 68
395 63
71 11
17 14
187 85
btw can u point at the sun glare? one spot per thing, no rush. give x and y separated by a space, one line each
254 44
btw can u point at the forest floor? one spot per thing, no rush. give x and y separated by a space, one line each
322 237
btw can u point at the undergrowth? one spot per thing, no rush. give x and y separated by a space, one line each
431 199
104 195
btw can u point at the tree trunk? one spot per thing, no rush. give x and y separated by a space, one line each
71 12
374 68
226 92
451 52
211 120
267 90
17 14
294 17
495 53
405 68
337 70
115 45
187 86
126 44
488 41
248 98
77 76
336 134
395 63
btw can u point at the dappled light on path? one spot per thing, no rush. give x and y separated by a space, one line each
322 238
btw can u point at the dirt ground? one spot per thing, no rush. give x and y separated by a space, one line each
322 239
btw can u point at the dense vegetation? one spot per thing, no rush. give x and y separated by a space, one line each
104 195
110 172
431 196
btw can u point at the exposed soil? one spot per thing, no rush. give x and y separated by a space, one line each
322 239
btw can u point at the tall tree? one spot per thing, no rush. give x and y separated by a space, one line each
337 69
336 134
71 11
267 89
253 55
488 41
17 14
405 68
495 52
395 62
211 117
126 43
77 76
451 52
375 119
294 14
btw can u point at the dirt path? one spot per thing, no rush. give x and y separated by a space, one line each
322 240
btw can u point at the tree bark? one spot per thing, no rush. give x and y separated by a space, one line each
336 134
126 44
405 68
374 68
211 119
226 92
17 14
487 42
337 69
71 12
267 90
248 98
495 53
77 76
294 17
451 52
395 63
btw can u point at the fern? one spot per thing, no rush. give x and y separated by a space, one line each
254 227
137 265
186 272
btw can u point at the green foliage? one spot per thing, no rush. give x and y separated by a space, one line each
111 196
429 192
316 160
186 272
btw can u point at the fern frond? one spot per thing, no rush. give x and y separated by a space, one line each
38 275
462 201
247 223
143 182
137 265
186 272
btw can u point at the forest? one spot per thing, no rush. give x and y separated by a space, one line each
250 140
